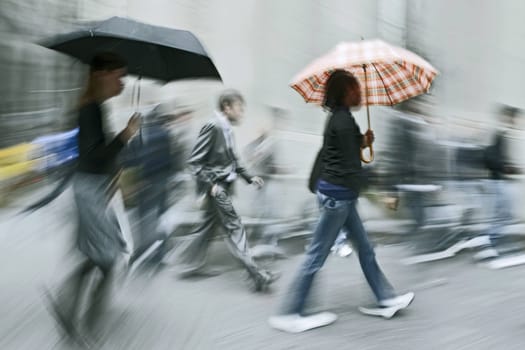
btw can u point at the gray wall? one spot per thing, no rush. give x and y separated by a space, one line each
259 46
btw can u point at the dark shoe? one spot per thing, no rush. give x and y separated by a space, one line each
65 323
264 280
145 254
202 272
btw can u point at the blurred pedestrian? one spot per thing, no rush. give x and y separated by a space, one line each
497 161
338 170
260 155
215 164
99 236
264 155
151 153
410 169
180 182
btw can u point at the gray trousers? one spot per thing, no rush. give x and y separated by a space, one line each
218 212
152 203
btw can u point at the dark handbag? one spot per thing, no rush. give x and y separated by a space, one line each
315 174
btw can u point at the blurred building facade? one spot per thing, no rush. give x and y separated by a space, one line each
259 46
39 87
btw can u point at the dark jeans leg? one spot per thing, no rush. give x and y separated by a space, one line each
333 216
502 211
379 284
71 291
417 208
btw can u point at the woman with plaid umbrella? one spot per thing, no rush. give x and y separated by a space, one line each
338 185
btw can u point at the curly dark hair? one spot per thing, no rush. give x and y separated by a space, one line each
337 86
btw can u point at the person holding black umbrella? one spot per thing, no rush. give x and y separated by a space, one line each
99 236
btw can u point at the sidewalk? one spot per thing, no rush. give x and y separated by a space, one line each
459 305
221 314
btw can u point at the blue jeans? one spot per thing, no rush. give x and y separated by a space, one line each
416 204
335 215
501 209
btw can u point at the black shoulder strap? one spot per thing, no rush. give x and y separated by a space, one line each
317 168
60 187
315 174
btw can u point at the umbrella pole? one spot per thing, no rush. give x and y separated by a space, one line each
368 115
135 94
135 103
366 97
138 94
365 160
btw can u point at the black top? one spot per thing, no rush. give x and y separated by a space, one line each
95 156
341 153
496 156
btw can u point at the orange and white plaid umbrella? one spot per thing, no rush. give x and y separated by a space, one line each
388 74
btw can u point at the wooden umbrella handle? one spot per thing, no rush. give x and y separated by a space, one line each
371 158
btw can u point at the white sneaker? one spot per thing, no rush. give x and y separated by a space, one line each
344 251
401 301
296 323
485 254
286 323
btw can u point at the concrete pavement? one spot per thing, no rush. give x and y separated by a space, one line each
459 305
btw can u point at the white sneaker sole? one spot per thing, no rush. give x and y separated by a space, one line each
302 324
388 311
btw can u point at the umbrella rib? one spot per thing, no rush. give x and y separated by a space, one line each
382 80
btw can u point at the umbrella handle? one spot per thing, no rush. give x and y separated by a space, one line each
371 158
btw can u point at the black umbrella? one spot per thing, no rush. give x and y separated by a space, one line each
151 51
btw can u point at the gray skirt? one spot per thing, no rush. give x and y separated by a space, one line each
99 234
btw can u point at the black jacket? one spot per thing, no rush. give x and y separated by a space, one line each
95 156
496 156
339 160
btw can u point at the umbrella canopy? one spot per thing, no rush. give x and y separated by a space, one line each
388 74
154 52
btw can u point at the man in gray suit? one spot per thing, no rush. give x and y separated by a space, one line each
215 165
